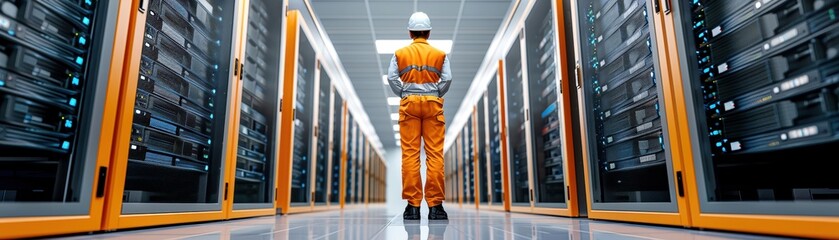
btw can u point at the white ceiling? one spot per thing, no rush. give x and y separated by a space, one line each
354 25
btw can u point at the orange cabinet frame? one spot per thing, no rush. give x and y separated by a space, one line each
821 227
112 217
23 227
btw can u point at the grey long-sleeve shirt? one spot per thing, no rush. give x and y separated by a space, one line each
403 89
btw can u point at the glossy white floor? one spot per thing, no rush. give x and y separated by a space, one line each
381 222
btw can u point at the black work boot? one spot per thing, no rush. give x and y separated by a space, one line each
411 213
437 213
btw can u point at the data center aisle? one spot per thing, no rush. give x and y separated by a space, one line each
376 222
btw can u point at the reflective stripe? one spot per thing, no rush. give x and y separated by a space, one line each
419 68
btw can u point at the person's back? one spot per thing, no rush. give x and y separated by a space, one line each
420 74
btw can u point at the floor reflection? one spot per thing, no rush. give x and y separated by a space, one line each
377 222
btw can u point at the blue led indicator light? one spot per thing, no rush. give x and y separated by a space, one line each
79 60
11 32
88 2
73 102
2 83
719 144
82 40
65 145
75 81
86 21
206 168
68 123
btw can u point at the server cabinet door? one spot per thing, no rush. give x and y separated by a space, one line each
359 157
176 133
338 136
303 121
55 62
256 146
322 139
761 91
351 159
545 107
629 164
468 164
359 166
516 126
495 158
482 142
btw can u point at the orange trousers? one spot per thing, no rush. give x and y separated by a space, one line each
421 119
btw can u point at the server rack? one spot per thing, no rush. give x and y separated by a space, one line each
517 138
359 166
367 175
358 172
174 122
448 171
337 143
468 165
320 149
350 170
629 165
549 109
768 75
301 75
254 174
498 142
347 159
58 109
482 153
459 174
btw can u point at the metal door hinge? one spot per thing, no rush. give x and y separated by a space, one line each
531 195
144 4
241 70
578 73
236 67
560 86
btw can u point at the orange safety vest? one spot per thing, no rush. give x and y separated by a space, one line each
420 62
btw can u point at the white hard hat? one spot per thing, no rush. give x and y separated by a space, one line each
419 22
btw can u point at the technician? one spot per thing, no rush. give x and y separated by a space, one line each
420 74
